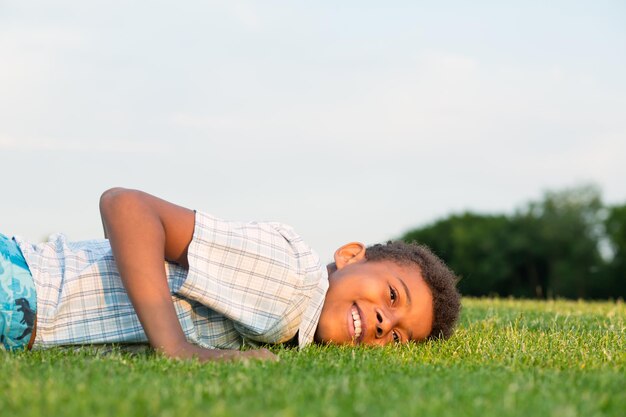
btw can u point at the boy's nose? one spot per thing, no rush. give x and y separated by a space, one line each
384 323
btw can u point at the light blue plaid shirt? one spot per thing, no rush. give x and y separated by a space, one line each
247 283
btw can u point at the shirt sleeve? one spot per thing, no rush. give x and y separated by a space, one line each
255 274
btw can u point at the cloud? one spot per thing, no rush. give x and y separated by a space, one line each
204 122
244 13
31 55
44 144
41 38
601 157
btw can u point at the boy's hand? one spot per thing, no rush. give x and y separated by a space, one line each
256 354
261 354
190 351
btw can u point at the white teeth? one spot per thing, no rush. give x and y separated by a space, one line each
357 322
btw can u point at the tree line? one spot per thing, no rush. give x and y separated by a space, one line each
566 244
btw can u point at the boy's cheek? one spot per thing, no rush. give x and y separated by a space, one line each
326 330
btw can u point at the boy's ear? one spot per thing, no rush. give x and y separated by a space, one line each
349 253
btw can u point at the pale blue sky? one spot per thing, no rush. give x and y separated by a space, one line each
355 121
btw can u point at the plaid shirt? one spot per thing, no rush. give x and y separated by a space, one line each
247 283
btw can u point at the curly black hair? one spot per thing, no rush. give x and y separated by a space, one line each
439 278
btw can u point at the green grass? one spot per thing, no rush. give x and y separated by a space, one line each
508 358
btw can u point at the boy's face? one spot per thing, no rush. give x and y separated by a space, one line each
374 302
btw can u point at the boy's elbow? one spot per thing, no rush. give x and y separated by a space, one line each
115 198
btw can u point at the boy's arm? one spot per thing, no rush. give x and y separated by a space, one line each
143 231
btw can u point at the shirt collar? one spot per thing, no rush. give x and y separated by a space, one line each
311 316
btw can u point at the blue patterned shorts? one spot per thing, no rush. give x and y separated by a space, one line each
18 301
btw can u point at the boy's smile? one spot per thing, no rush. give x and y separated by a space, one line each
374 302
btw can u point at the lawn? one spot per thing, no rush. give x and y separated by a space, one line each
508 358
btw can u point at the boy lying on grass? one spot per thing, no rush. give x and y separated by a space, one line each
224 285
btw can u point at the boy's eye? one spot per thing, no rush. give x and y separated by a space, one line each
396 337
393 295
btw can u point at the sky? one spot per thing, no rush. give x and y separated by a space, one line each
352 120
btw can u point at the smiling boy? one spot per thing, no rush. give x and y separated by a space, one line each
382 302
223 285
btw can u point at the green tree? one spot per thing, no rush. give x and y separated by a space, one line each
615 226
473 245
561 235
550 247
